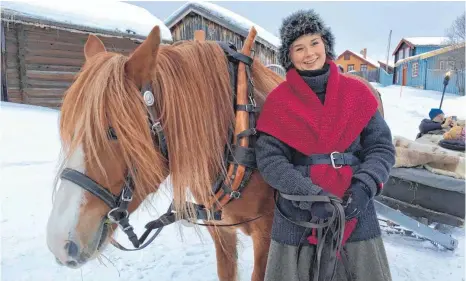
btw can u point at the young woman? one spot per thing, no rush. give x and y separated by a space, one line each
327 151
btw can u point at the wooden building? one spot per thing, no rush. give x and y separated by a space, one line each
221 24
352 61
43 47
427 70
414 46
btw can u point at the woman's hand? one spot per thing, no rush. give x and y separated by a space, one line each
355 200
321 210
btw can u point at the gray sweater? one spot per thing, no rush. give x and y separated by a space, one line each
373 147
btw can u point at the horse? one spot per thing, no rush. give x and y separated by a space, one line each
108 142
129 122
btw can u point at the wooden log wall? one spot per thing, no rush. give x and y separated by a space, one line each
42 62
192 22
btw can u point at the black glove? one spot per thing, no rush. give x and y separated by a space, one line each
320 210
356 199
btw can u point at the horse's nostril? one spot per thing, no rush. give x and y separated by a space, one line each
72 249
71 263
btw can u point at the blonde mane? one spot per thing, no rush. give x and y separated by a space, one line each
100 97
193 99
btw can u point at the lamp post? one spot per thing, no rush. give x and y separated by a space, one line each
445 83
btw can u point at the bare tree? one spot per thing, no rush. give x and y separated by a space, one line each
457 30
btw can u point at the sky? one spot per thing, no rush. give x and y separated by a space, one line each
355 25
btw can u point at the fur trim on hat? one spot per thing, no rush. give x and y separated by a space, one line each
300 23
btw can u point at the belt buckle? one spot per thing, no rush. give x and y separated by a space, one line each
332 160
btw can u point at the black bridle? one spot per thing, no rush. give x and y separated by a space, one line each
118 205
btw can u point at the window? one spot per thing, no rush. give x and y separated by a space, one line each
447 65
347 56
415 69
350 67
400 54
363 67
406 52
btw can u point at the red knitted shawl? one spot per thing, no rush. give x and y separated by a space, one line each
294 114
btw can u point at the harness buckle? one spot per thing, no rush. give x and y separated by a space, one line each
253 101
122 214
124 197
332 160
157 127
235 194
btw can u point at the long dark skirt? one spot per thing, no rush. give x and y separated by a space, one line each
367 261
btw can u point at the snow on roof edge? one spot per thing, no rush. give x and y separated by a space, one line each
368 59
226 15
119 17
427 40
432 53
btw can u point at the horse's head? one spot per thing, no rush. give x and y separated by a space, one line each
109 150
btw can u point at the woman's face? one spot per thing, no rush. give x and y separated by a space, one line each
308 52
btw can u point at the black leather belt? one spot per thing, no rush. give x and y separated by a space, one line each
336 159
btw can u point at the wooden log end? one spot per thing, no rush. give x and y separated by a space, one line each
199 35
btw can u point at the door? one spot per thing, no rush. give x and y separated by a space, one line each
405 70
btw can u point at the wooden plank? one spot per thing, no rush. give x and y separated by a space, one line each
14 99
56 61
46 92
33 51
44 101
78 39
70 38
13 82
51 75
11 46
51 67
44 44
12 67
14 94
12 72
4 84
34 83
12 60
21 38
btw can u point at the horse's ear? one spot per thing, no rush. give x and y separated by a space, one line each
139 65
93 46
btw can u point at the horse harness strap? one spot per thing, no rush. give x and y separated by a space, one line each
328 232
240 158
241 162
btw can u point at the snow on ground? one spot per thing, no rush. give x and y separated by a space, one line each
112 16
405 107
29 150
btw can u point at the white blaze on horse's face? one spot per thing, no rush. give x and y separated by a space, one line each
63 236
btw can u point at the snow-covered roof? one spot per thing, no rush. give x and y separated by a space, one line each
431 53
368 59
427 41
114 17
223 17
422 41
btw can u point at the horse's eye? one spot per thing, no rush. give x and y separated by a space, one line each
111 134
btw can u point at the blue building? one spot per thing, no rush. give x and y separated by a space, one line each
423 62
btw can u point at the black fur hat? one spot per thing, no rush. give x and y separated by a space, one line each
300 23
